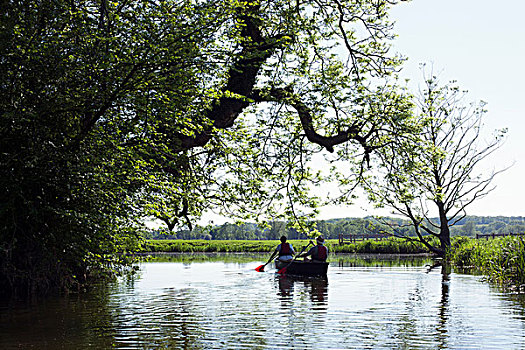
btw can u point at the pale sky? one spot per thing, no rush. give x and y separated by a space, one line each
481 45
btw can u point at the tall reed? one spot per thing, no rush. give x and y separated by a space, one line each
501 259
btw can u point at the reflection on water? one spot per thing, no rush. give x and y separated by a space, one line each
364 303
388 260
443 306
317 287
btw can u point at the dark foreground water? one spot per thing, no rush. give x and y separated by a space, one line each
226 304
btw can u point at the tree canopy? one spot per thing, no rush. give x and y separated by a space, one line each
113 111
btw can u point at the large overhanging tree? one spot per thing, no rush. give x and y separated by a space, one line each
433 177
315 71
116 110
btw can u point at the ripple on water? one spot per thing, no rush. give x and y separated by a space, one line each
230 306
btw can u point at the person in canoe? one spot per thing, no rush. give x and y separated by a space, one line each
317 253
284 251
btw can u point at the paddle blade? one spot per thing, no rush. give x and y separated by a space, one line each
260 268
282 271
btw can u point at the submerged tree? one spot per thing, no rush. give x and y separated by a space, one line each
113 111
433 177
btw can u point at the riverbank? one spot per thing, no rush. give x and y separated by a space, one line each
386 246
502 260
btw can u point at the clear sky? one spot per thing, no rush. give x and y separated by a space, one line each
481 45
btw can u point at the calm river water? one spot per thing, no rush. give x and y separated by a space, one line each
223 303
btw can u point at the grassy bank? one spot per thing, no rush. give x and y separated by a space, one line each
198 245
502 260
387 246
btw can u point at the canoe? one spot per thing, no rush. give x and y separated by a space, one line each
303 268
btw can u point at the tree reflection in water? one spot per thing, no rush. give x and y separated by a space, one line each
444 303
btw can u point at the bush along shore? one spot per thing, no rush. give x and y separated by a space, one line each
502 260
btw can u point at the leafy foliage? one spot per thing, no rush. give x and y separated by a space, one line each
80 84
113 111
330 229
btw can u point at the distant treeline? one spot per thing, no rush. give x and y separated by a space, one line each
469 226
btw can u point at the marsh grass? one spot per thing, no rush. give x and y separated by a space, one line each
385 246
341 259
502 259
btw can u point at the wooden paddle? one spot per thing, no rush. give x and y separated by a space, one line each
283 270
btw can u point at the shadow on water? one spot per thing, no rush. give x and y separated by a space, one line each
68 322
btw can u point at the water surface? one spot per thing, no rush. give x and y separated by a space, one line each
364 303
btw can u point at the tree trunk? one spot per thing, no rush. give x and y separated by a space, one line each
444 231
